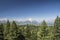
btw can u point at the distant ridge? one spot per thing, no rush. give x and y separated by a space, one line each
33 22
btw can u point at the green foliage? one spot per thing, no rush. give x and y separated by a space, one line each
57 28
1 32
43 32
12 31
6 29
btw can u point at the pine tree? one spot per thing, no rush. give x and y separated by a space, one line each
7 29
57 28
44 31
8 26
13 30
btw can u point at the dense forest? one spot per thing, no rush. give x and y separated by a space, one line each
12 31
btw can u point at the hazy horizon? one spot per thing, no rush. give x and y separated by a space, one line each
22 10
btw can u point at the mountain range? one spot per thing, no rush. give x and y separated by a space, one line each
34 22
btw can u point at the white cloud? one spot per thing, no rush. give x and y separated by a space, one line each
1 19
30 19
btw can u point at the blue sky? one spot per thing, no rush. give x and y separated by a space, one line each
33 9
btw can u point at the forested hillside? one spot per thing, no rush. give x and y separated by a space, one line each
13 31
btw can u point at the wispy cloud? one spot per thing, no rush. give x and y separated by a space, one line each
1 19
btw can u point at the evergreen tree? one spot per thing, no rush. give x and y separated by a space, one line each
44 31
8 26
13 30
57 29
7 29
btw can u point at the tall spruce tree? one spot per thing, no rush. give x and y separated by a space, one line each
13 30
6 29
57 29
8 26
44 31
